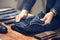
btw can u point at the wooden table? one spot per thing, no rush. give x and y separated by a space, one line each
13 35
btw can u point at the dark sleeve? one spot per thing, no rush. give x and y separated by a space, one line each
57 6
28 4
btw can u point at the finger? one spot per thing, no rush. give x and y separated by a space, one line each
18 18
24 16
47 21
43 19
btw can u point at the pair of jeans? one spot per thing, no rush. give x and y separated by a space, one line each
35 25
25 25
8 14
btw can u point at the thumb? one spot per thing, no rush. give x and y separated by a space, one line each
18 18
43 19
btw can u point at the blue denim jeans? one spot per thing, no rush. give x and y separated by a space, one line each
33 25
8 14
3 29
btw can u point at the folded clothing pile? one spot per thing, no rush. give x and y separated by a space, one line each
8 13
30 26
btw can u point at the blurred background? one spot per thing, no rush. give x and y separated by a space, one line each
19 3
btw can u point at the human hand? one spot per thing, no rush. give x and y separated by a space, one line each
23 14
47 18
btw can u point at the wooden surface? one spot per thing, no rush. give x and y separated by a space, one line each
13 35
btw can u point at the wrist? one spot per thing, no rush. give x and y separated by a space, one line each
25 11
52 14
53 11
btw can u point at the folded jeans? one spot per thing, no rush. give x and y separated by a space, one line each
35 25
30 25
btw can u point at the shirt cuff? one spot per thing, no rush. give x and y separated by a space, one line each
53 11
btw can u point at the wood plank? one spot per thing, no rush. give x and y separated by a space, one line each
13 35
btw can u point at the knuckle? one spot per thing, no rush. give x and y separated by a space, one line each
47 22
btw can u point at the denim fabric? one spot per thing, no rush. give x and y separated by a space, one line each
3 29
22 25
25 25
35 25
10 22
6 19
49 5
28 4
8 14
36 19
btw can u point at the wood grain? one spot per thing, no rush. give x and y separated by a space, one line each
13 35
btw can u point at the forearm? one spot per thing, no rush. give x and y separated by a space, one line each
24 10
28 4
56 7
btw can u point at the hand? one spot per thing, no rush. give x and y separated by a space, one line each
22 15
47 18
